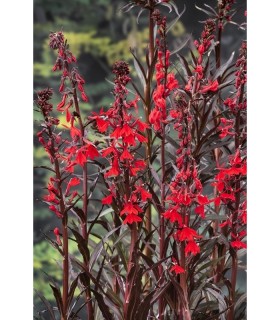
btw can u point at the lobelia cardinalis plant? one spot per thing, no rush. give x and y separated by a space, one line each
155 206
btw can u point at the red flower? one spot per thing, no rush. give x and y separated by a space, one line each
155 118
75 132
140 137
109 150
238 244
114 171
188 234
173 215
144 193
201 49
107 200
92 152
192 248
199 69
72 182
126 131
202 199
129 209
126 155
102 124
177 269
84 97
142 126
225 223
140 163
188 86
200 211
227 196
62 103
220 185
81 158
51 197
212 86
56 211
56 232
116 133
172 83
130 218
130 139
174 113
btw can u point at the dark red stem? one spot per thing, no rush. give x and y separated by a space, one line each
85 208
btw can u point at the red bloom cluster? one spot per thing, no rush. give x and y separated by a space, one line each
75 154
186 188
225 12
225 181
202 85
207 36
51 142
46 136
226 127
63 63
126 133
43 98
176 268
166 82
241 73
234 104
61 191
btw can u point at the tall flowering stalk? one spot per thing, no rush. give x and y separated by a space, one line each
186 195
165 84
126 191
79 149
56 195
231 180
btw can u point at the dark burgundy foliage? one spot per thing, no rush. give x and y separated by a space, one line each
156 206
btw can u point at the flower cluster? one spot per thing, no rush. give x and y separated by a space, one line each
207 36
63 63
51 141
186 188
75 153
225 12
225 182
226 128
126 136
165 81
236 103
197 82
46 136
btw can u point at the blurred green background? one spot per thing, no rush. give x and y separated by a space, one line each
99 33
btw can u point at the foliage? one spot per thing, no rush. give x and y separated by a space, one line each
149 192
